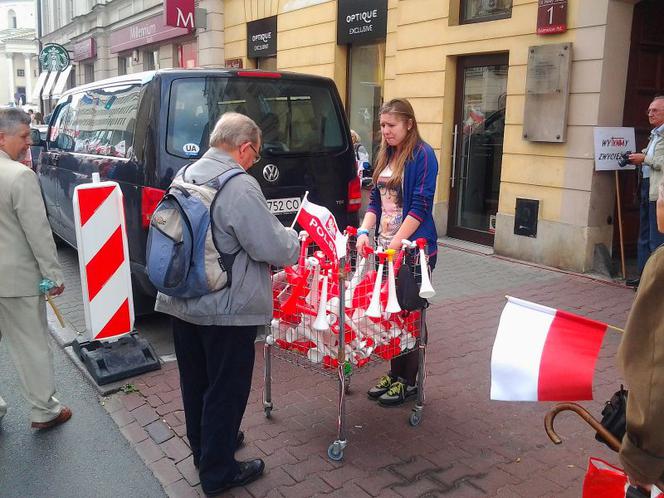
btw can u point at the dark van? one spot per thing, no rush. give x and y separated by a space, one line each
140 129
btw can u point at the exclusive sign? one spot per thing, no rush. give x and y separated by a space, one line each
361 21
610 144
262 38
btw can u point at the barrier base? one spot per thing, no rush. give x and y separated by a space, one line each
112 361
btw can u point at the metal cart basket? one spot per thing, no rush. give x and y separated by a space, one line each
334 318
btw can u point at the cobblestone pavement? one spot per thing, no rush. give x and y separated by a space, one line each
466 445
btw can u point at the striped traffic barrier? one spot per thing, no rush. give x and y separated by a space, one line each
103 257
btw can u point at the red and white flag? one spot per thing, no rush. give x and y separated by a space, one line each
543 354
320 224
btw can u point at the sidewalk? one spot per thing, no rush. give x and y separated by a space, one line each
466 445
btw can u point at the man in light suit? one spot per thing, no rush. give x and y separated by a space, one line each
27 256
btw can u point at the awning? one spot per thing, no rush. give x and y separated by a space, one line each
61 83
36 93
52 76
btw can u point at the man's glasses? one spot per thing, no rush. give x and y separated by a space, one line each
257 156
653 111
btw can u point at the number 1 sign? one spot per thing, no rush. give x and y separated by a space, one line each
551 17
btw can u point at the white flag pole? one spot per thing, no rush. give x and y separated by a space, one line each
304 200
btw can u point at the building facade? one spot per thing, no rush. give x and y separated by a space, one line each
107 38
18 52
508 92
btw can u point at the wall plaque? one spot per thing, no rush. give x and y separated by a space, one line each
547 92
233 63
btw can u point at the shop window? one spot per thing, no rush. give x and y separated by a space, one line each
485 10
186 53
151 60
20 73
266 63
89 72
11 19
365 93
124 65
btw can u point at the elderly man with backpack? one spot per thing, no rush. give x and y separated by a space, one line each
214 333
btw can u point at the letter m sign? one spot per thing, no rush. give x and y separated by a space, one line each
179 13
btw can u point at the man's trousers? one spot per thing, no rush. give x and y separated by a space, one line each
216 364
25 331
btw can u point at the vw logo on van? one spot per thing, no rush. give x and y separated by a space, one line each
271 173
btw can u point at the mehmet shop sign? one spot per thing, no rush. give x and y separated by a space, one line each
361 21
54 57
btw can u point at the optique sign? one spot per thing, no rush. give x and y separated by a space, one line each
361 21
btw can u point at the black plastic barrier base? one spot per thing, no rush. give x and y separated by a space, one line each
112 361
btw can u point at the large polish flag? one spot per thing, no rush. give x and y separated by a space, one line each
543 354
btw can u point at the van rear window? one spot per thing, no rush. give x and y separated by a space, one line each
296 117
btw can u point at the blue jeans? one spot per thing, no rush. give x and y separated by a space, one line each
643 243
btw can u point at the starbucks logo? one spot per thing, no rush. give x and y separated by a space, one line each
54 57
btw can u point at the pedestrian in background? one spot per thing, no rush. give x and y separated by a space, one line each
641 357
27 256
401 207
361 159
37 119
214 334
651 162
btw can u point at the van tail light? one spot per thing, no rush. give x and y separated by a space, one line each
354 195
150 197
27 160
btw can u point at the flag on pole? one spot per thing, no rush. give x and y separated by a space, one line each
320 224
543 354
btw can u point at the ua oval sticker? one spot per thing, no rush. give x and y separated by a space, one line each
191 149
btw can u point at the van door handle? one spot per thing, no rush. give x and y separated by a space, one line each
454 154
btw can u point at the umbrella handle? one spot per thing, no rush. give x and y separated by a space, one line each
612 441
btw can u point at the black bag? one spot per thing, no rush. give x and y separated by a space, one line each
408 290
614 415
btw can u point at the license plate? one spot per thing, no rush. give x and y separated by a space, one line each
284 206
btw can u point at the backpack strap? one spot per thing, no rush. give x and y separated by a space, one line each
227 259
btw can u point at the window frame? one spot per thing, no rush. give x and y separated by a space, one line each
495 17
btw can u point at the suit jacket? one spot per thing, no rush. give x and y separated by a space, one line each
27 249
641 356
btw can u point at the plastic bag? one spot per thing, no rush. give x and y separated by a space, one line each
604 480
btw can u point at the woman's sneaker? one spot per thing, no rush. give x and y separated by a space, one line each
381 388
397 394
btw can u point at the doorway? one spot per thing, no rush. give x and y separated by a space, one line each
481 92
645 79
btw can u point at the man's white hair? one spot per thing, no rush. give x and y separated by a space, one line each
234 129
11 119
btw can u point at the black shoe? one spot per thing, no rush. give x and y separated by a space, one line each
397 394
381 388
633 282
239 440
249 472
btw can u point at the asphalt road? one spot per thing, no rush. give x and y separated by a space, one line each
86 457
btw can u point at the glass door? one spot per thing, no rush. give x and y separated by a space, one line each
479 131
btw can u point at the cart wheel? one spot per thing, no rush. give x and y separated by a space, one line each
415 419
268 412
335 452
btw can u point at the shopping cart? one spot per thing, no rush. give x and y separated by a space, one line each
337 317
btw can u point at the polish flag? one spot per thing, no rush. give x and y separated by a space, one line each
543 354
320 224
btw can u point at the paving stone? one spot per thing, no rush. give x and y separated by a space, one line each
188 470
273 478
132 400
148 451
181 489
144 415
305 489
111 404
175 449
165 471
134 432
122 417
159 431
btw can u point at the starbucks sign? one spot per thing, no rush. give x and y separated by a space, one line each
54 57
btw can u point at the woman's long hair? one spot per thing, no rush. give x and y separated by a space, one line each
403 111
